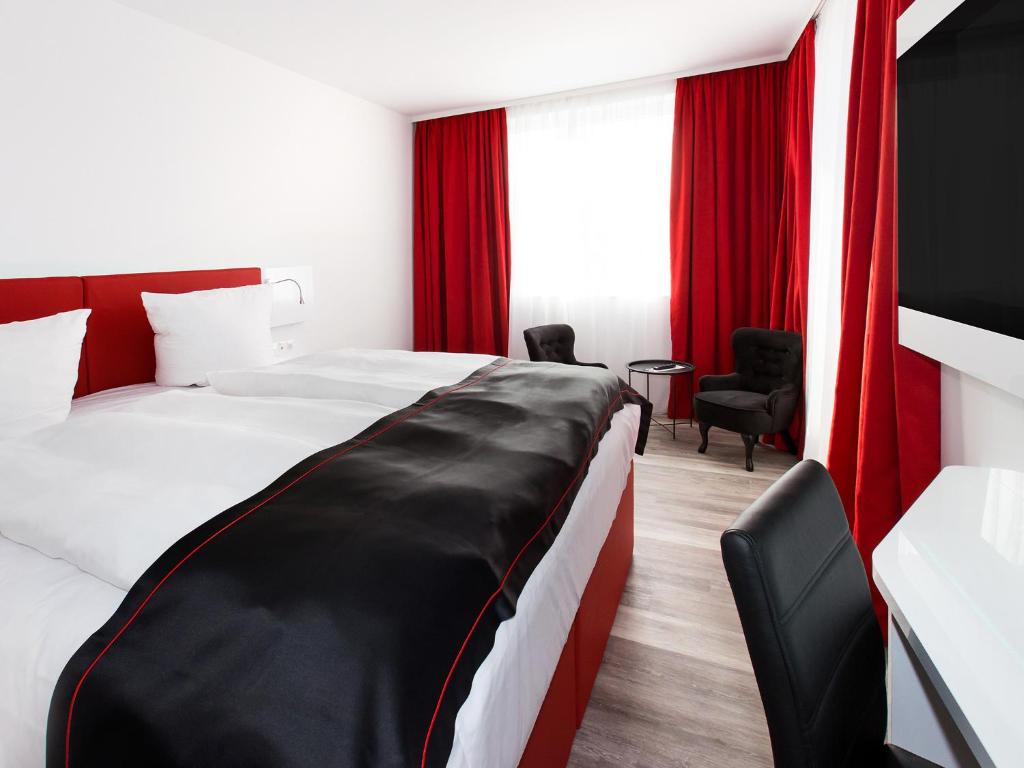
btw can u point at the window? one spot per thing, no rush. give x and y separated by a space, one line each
589 186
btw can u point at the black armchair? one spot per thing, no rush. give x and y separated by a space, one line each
554 344
761 396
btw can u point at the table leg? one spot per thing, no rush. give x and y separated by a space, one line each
671 402
691 400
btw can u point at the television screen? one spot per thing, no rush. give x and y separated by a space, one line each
961 168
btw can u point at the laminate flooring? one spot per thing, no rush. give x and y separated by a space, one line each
676 687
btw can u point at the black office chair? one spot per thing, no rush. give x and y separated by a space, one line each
760 397
814 641
554 344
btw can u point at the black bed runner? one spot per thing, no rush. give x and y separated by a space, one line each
337 617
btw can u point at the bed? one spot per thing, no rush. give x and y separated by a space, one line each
74 545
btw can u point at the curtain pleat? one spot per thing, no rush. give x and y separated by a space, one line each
788 308
461 242
740 209
726 198
884 447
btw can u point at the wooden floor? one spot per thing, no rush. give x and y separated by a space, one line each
676 687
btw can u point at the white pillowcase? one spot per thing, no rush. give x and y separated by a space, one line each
39 371
207 331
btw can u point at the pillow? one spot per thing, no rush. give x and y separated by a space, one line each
39 371
207 331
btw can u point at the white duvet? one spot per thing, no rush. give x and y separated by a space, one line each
86 506
112 488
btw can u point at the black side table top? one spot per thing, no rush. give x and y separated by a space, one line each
648 366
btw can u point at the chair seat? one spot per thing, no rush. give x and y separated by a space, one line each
738 410
738 400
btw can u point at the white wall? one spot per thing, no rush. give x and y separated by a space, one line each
833 51
981 425
128 144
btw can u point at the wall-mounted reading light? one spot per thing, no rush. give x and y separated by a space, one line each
289 280
285 310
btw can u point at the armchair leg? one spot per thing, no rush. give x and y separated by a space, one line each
704 429
789 441
749 441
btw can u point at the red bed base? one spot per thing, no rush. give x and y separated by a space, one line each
118 350
566 701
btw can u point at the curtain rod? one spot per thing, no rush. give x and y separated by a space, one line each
607 86
626 83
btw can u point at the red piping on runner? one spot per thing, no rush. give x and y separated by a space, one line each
212 536
501 586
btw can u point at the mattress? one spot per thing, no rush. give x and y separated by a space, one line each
86 506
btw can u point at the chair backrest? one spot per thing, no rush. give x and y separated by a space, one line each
766 359
551 343
815 644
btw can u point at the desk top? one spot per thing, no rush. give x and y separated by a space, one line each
952 573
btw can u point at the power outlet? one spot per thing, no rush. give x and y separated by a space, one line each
285 345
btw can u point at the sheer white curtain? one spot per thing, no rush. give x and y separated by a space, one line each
589 185
833 51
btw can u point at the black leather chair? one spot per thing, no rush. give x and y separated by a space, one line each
814 641
761 396
554 344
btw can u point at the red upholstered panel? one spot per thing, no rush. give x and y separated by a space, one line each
29 298
562 711
600 600
119 343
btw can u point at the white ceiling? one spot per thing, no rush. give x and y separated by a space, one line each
427 56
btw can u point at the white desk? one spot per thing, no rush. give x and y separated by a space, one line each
952 573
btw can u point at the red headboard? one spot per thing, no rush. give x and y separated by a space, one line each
118 347
29 298
119 342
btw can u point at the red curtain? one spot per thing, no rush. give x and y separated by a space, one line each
461 250
788 308
740 209
725 205
885 430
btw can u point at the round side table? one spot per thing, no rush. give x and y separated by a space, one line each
668 368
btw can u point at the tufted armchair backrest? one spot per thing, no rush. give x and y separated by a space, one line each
767 360
551 343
